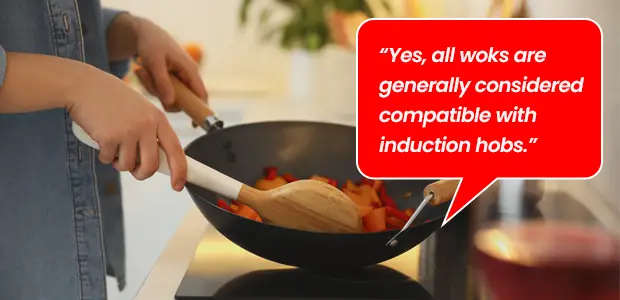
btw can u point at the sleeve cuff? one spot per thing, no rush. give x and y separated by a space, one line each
2 65
117 68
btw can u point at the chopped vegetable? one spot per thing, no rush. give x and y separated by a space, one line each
376 208
409 212
407 195
395 222
333 182
223 205
396 213
289 177
385 198
271 173
375 221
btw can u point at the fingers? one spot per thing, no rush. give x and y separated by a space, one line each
107 151
175 156
188 72
149 157
146 81
127 155
161 79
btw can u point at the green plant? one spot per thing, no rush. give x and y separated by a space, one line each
307 25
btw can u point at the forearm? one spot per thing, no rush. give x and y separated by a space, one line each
121 37
33 82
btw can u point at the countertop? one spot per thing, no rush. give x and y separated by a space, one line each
167 273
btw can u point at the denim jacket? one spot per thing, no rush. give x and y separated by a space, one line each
61 220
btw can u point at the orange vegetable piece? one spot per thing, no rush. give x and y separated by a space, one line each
369 192
409 212
359 199
258 219
319 178
352 186
363 211
246 212
266 184
376 185
235 208
375 221
195 51
394 222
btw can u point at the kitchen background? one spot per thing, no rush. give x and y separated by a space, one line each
245 75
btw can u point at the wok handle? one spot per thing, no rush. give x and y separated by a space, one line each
197 173
443 191
194 107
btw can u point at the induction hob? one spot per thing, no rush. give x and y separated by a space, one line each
437 269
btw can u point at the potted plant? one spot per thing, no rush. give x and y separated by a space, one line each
318 35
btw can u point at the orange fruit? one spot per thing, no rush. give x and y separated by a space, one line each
194 50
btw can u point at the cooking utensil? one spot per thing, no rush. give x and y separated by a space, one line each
437 193
305 205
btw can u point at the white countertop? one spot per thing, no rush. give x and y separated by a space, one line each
169 269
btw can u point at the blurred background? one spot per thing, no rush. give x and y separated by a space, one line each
257 63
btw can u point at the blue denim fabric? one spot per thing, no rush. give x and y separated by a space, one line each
61 217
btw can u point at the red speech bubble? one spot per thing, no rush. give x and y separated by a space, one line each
479 100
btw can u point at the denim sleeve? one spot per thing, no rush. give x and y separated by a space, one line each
2 65
121 67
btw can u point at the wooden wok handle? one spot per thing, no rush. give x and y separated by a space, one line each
443 191
193 106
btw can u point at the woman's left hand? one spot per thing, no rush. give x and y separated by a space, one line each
161 55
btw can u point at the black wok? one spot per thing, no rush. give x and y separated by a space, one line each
303 149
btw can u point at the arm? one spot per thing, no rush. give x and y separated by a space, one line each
121 40
19 72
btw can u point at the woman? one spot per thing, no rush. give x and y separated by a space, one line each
54 55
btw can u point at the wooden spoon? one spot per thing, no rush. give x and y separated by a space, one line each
305 204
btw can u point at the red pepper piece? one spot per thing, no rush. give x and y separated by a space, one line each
396 213
427 221
235 202
333 182
366 181
271 173
223 205
386 199
289 177
394 222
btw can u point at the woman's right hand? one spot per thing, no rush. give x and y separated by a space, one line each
126 125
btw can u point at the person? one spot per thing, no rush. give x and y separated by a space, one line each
55 59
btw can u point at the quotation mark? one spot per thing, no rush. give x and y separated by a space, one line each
533 140
384 50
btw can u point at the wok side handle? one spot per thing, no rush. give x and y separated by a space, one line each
443 191
200 113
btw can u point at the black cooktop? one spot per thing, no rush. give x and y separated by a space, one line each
435 270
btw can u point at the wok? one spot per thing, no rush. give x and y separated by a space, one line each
303 149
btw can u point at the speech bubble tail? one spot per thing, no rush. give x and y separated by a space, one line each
469 189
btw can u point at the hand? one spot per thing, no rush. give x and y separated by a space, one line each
160 54
122 122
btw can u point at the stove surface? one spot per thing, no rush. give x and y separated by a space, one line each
435 270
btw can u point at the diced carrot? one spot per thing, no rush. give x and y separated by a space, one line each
352 186
385 198
370 193
359 199
223 205
395 222
396 213
375 221
234 208
363 211
271 173
390 227
265 184
246 212
409 212
289 177
319 178
258 219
